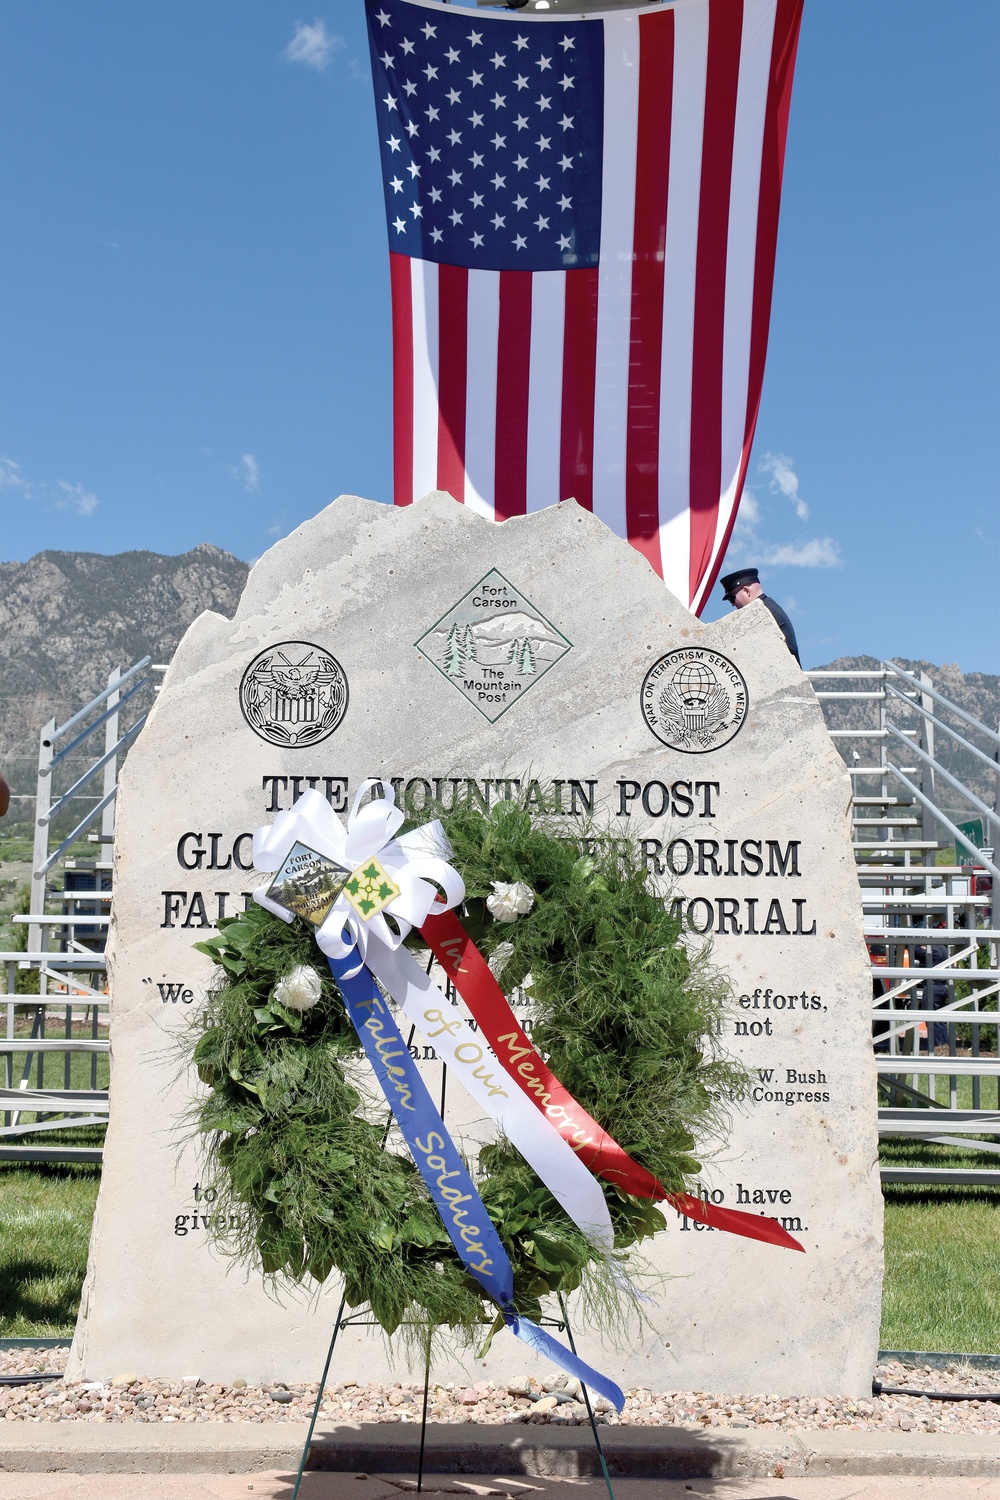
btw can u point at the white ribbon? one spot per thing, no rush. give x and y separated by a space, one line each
417 863
481 1075
413 862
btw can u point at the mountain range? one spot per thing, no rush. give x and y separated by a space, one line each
977 692
67 619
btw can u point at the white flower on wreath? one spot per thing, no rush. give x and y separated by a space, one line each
510 900
300 989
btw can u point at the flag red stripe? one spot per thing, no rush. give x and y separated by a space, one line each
576 464
779 97
513 368
725 25
402 378
656 73
453 325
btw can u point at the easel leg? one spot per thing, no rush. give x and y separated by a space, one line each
319 1399
450 992
586 1402
423 1416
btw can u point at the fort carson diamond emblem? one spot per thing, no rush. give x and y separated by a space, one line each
294 694
493 645
694 700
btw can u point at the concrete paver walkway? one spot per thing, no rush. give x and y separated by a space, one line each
278 1485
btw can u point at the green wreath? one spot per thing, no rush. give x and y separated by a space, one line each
298 1145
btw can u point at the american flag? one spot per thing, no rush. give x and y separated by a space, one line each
582 217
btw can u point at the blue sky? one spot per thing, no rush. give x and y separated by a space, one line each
194 331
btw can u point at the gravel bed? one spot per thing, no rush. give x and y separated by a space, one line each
130 1398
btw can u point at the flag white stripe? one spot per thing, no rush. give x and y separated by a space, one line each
481 391
424 291
548 321
614 283
687 123
741 251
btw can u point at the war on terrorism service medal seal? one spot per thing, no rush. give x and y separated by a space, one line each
694 700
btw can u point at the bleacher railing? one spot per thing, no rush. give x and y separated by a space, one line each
55 1042
929 924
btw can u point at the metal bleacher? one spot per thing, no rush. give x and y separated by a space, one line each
925 844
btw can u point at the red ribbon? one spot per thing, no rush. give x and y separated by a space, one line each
464 964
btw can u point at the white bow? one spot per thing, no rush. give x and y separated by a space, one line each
416 863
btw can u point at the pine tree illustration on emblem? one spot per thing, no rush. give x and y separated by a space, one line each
455 653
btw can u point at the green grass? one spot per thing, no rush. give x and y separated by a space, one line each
46 1209
942 1256
45 1218
942 1269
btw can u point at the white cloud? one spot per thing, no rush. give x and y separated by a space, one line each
251 471
784 480
744 543
748 515
75 497
819 552
313 46
11 477
60 496
749 544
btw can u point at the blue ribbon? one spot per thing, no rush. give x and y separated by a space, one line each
469 1226
462 1211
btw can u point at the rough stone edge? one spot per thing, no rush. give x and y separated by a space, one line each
657 1453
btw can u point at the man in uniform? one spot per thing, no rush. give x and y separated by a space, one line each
743 587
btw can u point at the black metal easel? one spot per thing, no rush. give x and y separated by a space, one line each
363 1319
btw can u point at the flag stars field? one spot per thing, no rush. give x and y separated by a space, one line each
427 78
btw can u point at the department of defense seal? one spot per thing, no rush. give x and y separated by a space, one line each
294 694
694 700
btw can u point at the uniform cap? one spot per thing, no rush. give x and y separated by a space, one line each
733 582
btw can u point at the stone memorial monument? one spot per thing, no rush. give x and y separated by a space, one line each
541 659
